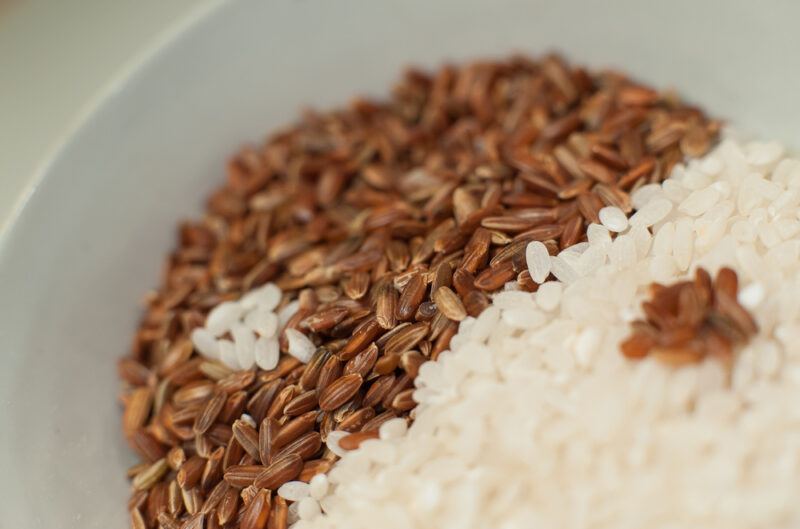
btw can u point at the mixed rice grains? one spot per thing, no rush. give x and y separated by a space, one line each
297 318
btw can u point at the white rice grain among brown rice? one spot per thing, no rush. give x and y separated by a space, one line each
535 419
253 326
300 346
294 490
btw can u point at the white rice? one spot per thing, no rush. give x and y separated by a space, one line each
318 486
252 323
300 346
308 508
332 442
538 421
294 490
538 261
393 428
613 218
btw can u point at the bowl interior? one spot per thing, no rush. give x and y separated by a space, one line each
91 239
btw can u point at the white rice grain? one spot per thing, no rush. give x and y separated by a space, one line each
613 218
651 213
538 259
205 343
393 428
332 442
699 201
263 321
300 346
683 243
227 353
318 486
308 509
645 194
562 270
221 317
294 490
597 234
549 295
264 297
286 312
266 353
245 342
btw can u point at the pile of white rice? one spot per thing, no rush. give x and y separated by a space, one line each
536 420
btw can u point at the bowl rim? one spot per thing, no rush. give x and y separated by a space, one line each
101 97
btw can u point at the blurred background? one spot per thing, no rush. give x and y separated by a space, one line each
56 56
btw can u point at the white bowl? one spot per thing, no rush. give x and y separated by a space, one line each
91 239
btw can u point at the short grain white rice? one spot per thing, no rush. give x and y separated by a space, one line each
613 218
221 317
699 201
545 424
205 343
300 346
393 428
549 295
332 442
245 342
253 325
263 321
265 297
538 259
308 508
227 353
651 213
294 490
597 234
286 313
562 270
318 486
266 353
683 243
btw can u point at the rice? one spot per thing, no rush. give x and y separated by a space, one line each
252 324
318 486
613 218
539 421
382 225
294 490
538 259
300 346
